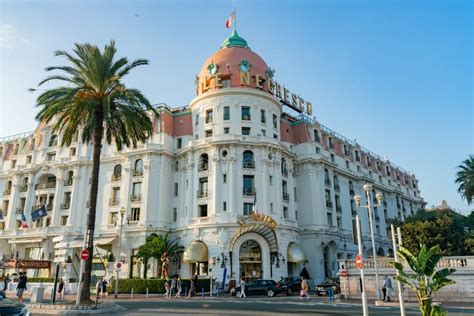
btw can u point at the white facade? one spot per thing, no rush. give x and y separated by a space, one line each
168 185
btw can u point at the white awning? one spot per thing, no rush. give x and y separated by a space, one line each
104 241
25 241
79 243
58 238
196 252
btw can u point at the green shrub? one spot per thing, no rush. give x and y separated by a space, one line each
40 280
155 286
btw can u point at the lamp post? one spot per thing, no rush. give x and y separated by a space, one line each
224 260
368 187
119 257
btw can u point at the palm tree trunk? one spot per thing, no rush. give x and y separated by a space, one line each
97 143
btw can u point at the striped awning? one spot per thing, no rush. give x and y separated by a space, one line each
196 252
295 253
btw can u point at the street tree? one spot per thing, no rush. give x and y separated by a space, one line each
465 179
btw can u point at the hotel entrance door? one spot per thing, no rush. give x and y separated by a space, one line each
250 259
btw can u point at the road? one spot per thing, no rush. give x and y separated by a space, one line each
258 306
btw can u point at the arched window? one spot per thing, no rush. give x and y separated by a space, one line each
53 141
203 162
117 172
247 160
284 167
138 171
357 155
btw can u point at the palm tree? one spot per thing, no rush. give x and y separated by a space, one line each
465 179
156 245
95 99
425 281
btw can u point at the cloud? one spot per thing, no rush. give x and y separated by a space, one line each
10 37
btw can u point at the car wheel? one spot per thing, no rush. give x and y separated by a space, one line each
270 293
237 294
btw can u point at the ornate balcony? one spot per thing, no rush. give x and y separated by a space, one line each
327 182
329 204
65 205
49 185
19 210
286 197
116 177
202 194
339 209
203 166
337 187
7 191
137 173
114 201
351 192
354 213
248 191
68 182
135 198
24 188
249 164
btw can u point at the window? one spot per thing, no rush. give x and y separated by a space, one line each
294 193
333 158
380 179
226 130
137 188
113 218
209 133
369 162
329 218
271 208
263 116
72 151
284 167
209 116
226 113
224 178
245 111
53 141
337 199
247 160
284 189
14 161
248 185
358 168
176 189
339 222
224 206
316 136
296 214
51 156
28 159
203 162
245 130
138 171
203 187
357 155
176 165
264 133
347 164
285 212
248 208
135 214
336 183
275 136
330 142
328 198
346 150
270 179
196 120
117 172
64 220
203 210
327 181
179 142
175 214
275 123
318 150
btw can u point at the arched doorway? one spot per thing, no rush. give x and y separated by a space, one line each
250 260
329 259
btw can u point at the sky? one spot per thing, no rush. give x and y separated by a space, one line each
395 75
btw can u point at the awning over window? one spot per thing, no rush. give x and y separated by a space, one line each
295 253
79 243
196 252
25 241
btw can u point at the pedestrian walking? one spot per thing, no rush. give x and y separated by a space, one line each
242 288
387 289
61 288
179 285
7 280
173 286
192 286
104 287
21 286
304 288
98 286
167 289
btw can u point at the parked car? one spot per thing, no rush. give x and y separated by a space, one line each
258 287
322 289
292 285
12 308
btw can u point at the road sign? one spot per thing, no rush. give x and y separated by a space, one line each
358 262
119 265
85 254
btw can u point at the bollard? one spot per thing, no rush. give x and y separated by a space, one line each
131 294
202 292
146 292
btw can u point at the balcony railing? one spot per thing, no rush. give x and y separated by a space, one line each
327 182
339 209
137 173
48 185
249 164
7 191
203 166
24 188
398 206
116 177
48 207
329 204
202 193
68 182
135 198
286 197
354 213
114 201
19 210
64 205
337 187
248 191
377 218
351 192
284 171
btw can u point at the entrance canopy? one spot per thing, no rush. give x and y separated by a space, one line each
196 252
295 253
261 228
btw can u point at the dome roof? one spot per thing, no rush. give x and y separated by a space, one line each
227 59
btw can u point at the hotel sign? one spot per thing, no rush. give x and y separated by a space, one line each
261 82
257 219
26 264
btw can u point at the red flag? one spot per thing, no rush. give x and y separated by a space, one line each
230 20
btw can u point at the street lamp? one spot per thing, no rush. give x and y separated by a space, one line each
224 260
368 187
119 257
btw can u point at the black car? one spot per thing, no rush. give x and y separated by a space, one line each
292 285
258 287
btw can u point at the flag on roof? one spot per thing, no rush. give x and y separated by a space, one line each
24 224
230 20
38 213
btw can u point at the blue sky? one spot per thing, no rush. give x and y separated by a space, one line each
395 75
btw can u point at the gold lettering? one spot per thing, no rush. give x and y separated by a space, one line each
294 100
258 81
301 102
271 86
278 90
218 80
244 78
309 108
285 94
205 87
